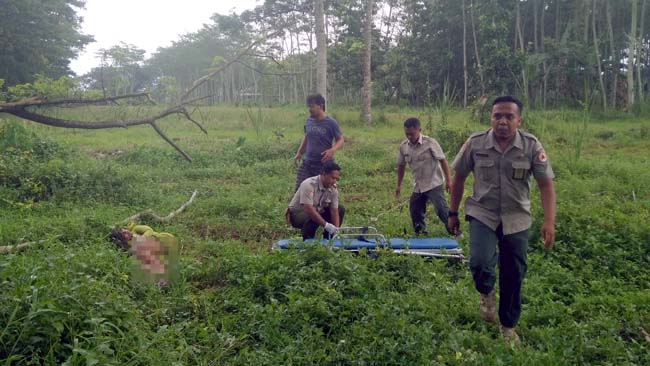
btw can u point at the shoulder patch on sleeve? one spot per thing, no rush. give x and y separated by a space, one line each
541 156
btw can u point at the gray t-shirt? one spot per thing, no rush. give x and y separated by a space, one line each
319 135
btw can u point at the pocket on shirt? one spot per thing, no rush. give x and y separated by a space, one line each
425 155
485 170
520 170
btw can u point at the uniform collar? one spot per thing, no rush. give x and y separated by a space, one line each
319 184
492 141
417 143
321 187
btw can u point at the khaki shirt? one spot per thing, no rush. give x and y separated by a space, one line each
502 180
424 159
312 192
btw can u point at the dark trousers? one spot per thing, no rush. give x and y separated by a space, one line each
302 221
306 170
418 207
512 266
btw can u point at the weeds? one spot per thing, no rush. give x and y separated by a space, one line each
72 300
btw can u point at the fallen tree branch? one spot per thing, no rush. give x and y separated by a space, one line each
11 248
41 102
149 213
170 141
5 249
65 123
33 108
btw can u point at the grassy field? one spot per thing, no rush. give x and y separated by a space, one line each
71 299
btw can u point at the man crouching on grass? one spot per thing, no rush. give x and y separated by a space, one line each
316 203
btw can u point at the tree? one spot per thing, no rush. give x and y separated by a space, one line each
39 37
640 44
367 82
464 57
631 50
120 70
321 48
597 52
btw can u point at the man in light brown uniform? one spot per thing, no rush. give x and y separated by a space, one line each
502 159
316 203
428 165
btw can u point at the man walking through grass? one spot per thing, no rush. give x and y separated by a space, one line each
430 173
502 159
320 131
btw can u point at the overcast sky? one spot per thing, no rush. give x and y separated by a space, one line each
147 24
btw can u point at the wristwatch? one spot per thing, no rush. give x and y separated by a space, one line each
453 213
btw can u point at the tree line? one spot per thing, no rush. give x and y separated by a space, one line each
579 53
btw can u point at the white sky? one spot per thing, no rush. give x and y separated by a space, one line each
147 24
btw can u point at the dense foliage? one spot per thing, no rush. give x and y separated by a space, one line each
550 52
71 299
39 37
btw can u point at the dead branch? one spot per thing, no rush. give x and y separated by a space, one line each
170 141
16 248
149 213
19 247
24 108
41 102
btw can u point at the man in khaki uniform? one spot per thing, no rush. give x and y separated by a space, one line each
503 159
428 165
316 203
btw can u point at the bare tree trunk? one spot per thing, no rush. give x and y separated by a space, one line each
367 82
631 54
520 36
464 57
535 17
585 39
545 68
614 54
558 77
478 58
585 35
321 48
311 64
600 70
639 51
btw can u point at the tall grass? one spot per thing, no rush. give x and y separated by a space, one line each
71 300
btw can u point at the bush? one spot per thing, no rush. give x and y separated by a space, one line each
35 170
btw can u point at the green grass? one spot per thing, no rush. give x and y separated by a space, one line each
71 299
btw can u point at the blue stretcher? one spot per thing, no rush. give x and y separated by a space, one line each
357 238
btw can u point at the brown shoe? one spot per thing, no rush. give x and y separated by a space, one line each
488 307
510 336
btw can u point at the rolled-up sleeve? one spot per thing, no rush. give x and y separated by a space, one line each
306 193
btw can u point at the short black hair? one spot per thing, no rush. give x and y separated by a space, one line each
329 167
509 99
412 122
316 99
118 238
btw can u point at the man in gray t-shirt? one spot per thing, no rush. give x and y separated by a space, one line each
320 131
